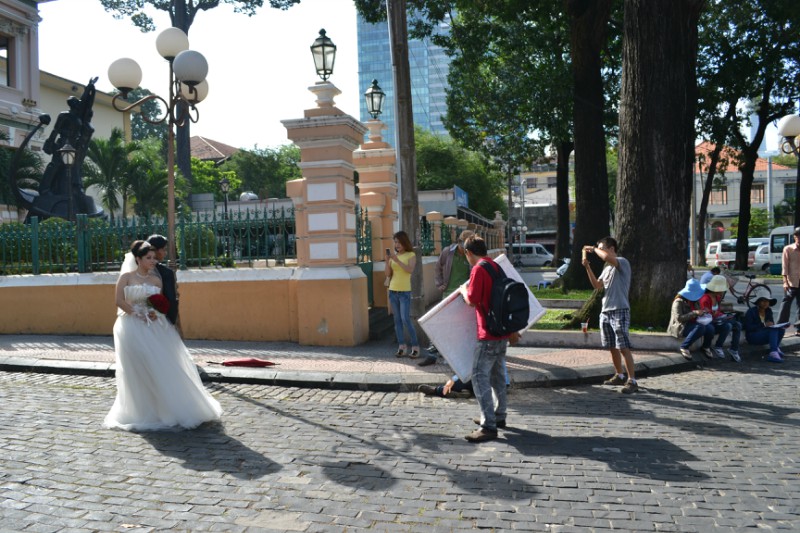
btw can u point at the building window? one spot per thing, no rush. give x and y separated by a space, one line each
7 76
719 196
789 191
757 194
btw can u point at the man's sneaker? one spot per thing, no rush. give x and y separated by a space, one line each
501 424
720 353
735 355
432 350
774 357
686 354
615 380
630 387
428 361
481 435
708 353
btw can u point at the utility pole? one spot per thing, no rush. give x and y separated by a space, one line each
406 149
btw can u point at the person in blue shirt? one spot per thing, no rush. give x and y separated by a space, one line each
759 328
705 278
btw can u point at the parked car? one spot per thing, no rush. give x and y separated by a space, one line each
723 253
761 261
531 254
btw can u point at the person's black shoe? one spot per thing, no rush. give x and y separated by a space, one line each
427 390
501 424
428 361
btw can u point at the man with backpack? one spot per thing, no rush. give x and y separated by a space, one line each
615 315
488 375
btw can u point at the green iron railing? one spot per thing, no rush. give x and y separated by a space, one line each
92 245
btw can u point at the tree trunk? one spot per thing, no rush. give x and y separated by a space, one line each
656 124
588 23
181 18
398 34
747 168
719 144
563 149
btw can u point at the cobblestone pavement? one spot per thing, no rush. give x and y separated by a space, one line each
710 449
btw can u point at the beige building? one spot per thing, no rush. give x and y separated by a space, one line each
772 183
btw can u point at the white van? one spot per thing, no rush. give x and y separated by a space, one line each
778 239
531 254
723 253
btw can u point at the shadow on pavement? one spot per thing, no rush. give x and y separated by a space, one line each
639 457
208 448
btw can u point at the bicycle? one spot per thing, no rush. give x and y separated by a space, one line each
751 293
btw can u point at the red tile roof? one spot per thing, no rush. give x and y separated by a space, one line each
731 154
209 150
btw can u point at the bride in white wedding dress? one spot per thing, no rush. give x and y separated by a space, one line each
158 386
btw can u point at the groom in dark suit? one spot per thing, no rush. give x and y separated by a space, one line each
168 280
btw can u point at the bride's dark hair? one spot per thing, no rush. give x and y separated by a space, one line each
140 248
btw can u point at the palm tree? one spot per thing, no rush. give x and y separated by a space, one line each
147 178
106 167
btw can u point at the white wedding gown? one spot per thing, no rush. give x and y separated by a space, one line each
158 386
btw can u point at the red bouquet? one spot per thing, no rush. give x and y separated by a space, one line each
159 302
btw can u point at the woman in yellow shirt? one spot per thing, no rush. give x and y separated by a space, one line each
399 266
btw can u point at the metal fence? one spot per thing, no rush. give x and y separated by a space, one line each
94 245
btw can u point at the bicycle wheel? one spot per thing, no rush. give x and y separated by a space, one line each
757 291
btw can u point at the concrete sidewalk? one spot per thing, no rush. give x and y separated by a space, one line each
543 359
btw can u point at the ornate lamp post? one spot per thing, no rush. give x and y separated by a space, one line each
324 52
67 153
374 97
187 88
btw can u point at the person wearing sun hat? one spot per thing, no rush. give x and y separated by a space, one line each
715 291
683 321
759 328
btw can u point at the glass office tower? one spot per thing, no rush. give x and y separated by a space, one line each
429 66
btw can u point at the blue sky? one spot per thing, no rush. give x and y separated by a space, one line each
260 67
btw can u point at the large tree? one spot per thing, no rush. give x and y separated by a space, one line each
656 149
265 171
748 76
182 14
441 163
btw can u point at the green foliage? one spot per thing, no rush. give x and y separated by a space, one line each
198 242
28 173
784 213
136 10
105 243
759 224
786 160
146 181
106 166
142 129
15 247
207 176
441 163
265 171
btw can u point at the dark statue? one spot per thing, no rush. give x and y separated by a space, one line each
61 191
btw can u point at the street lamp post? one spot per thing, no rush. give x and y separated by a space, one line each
789 130
187 88
67 153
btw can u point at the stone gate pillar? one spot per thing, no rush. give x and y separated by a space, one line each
376 164
331 290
